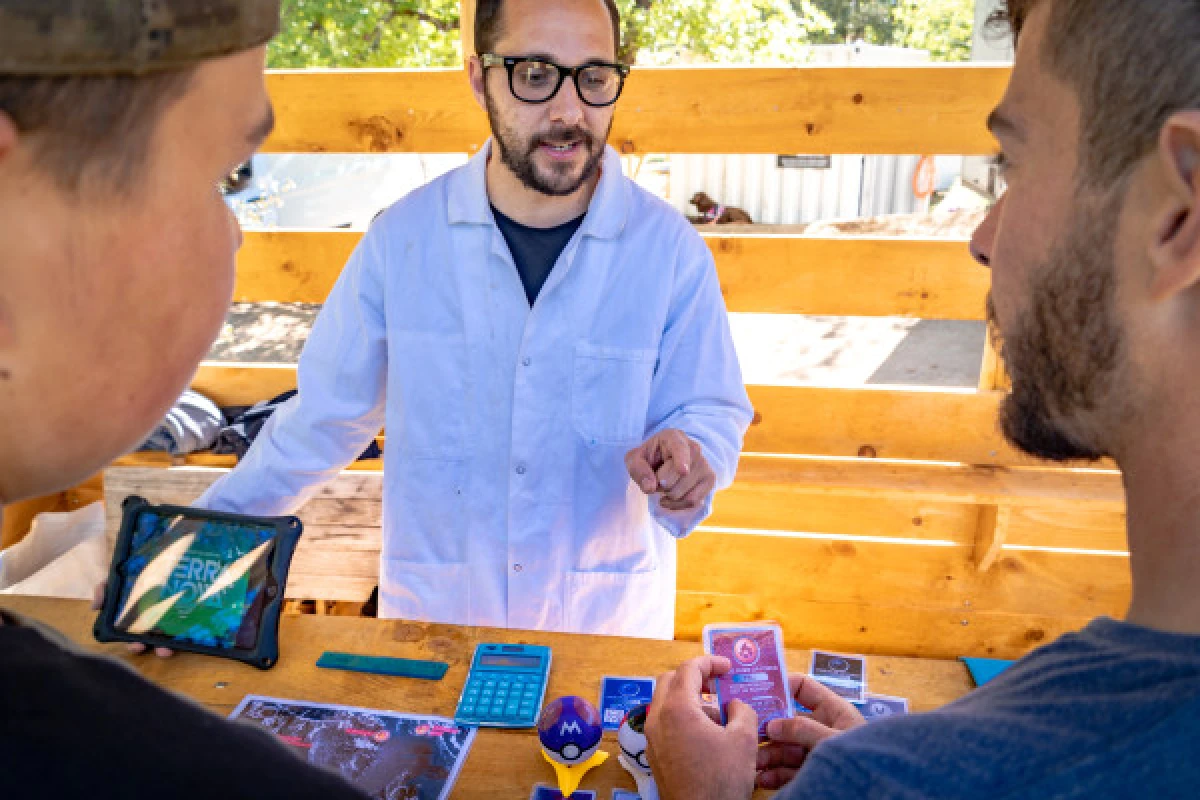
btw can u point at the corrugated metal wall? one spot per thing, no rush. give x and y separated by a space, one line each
853 186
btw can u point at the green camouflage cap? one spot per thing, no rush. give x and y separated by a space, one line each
127 37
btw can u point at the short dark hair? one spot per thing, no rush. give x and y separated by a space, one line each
1133 64
488 28
95 127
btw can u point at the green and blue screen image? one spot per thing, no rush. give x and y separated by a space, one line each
194 580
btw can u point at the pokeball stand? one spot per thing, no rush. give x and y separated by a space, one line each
569 777
647 788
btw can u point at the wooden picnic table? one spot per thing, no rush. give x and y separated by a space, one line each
501 764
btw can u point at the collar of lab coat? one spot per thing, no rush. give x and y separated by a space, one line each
606 216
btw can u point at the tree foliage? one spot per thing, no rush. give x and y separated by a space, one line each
943 27
426 33
367 33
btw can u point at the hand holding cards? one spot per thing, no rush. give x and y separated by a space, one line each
758 676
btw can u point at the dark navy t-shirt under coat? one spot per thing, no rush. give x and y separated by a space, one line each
535 251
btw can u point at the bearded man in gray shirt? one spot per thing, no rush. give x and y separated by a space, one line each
1095 258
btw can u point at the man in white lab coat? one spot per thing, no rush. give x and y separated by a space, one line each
548 347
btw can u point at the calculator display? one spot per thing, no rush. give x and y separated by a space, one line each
520 662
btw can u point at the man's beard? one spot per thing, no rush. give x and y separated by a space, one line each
1066 352
518 151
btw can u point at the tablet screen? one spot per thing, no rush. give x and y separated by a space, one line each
198 581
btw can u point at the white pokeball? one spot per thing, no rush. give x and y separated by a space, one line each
631 738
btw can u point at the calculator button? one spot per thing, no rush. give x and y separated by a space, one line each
489 682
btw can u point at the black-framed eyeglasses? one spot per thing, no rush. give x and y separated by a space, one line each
537 80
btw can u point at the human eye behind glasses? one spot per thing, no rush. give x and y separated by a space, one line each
537 74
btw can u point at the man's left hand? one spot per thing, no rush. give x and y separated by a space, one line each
673 465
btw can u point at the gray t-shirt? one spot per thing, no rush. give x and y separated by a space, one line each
1111 711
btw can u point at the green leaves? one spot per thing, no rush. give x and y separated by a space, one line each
943 27
425 33
367 33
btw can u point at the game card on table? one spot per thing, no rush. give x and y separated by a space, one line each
550 793
619 696
845 675
758 676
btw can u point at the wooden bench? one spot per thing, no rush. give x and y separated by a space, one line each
891 520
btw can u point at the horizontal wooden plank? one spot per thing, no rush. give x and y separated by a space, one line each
767 506
1083 528
1056 489
924 425
917 575
860 276
917 109
233 384
941 425
910 597
765 273
867 628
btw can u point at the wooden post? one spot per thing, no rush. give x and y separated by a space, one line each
992 375
467 25
991 535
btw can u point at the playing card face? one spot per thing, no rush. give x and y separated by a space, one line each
619 696
878 706
550 793
845 675
758 677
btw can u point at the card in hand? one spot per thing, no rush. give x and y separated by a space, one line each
877 706
758 676
845 675
550 793
619 696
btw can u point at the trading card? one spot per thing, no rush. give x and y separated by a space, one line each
550 793
845 675
619 696
877 706
624 794
759 675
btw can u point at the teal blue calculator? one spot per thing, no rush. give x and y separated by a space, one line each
505 687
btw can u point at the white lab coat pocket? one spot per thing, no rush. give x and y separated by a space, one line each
640 604
610 393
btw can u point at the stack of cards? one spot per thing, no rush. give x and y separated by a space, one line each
759 677
845 675
877 706
619 696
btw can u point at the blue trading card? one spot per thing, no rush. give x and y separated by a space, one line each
877 706
625 794
619 696
550 793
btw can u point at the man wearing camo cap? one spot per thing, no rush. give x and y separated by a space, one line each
118 120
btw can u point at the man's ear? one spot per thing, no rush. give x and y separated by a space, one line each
1175 248
478 77
8 135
